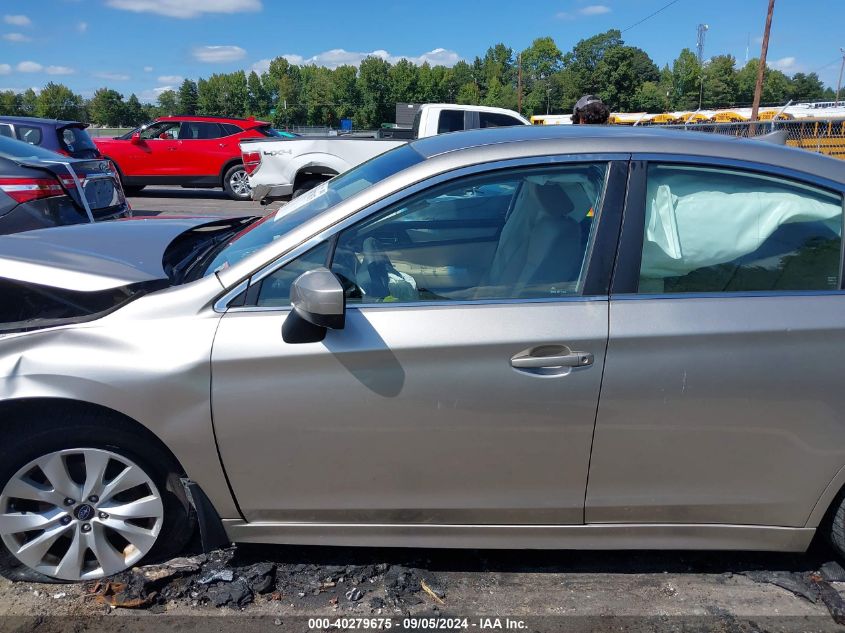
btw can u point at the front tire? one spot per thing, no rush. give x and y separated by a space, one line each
85 500
236 183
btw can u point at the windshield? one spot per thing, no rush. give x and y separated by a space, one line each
310 205
75 139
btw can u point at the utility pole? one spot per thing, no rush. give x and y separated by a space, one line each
519 83
839 83
758 89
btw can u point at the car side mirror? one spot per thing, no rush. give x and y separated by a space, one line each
135 139
319 304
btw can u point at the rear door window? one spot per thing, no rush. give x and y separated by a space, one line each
723 230
450 121
495 119
229 129
6 130
200 131
29 134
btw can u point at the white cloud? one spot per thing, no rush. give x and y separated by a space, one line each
16 37
784 64
151 95
186 8
341 57
261 66
17 20
594 9
112 76
218 54
82 27
171 79
5 69
29 67
148 69
59 70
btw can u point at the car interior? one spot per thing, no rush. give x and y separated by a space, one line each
515 237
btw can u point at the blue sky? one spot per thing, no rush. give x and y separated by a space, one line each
144 46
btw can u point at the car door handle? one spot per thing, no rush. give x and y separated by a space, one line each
548 358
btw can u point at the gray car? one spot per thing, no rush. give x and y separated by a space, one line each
542 337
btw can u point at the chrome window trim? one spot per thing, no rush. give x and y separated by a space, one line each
464 303
221 305
329 231
728 163
742 294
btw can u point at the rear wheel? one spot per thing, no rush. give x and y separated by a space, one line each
86 501
236 183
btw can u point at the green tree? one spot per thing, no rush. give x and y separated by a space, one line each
621 72
374 88
404 77
345 91
283 86
540 60
29 102
188 97
650 97
10 103
106 107
720 82
806 87
168 103
583 62
134 113
259 101
686 81
57 101
469 94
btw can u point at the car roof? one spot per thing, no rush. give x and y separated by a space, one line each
212 119
600 139
41 121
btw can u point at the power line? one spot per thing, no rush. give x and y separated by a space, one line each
648 17
830 63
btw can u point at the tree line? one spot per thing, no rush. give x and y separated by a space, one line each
625 77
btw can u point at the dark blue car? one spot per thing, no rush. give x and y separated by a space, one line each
64 137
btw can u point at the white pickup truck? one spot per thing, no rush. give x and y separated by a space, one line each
280 167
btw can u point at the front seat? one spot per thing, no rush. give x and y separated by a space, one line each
539 247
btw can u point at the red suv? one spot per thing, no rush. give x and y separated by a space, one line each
192 151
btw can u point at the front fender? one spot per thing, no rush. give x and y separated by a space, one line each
156 372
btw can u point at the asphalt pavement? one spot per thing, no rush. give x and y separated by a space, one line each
161 200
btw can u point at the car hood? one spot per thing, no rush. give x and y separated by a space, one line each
93 257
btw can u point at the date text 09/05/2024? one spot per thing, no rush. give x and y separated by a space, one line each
417 623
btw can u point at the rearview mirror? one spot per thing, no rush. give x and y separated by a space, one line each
318 303
135 139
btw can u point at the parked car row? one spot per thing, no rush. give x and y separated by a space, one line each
571 337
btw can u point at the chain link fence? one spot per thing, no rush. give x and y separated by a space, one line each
824 136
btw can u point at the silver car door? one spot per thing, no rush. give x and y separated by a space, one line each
464 386
721 400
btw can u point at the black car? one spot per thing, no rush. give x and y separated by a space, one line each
63 137
39 189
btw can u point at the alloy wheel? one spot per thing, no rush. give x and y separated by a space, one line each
239 182
80 514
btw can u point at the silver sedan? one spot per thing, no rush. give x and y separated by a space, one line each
522 337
